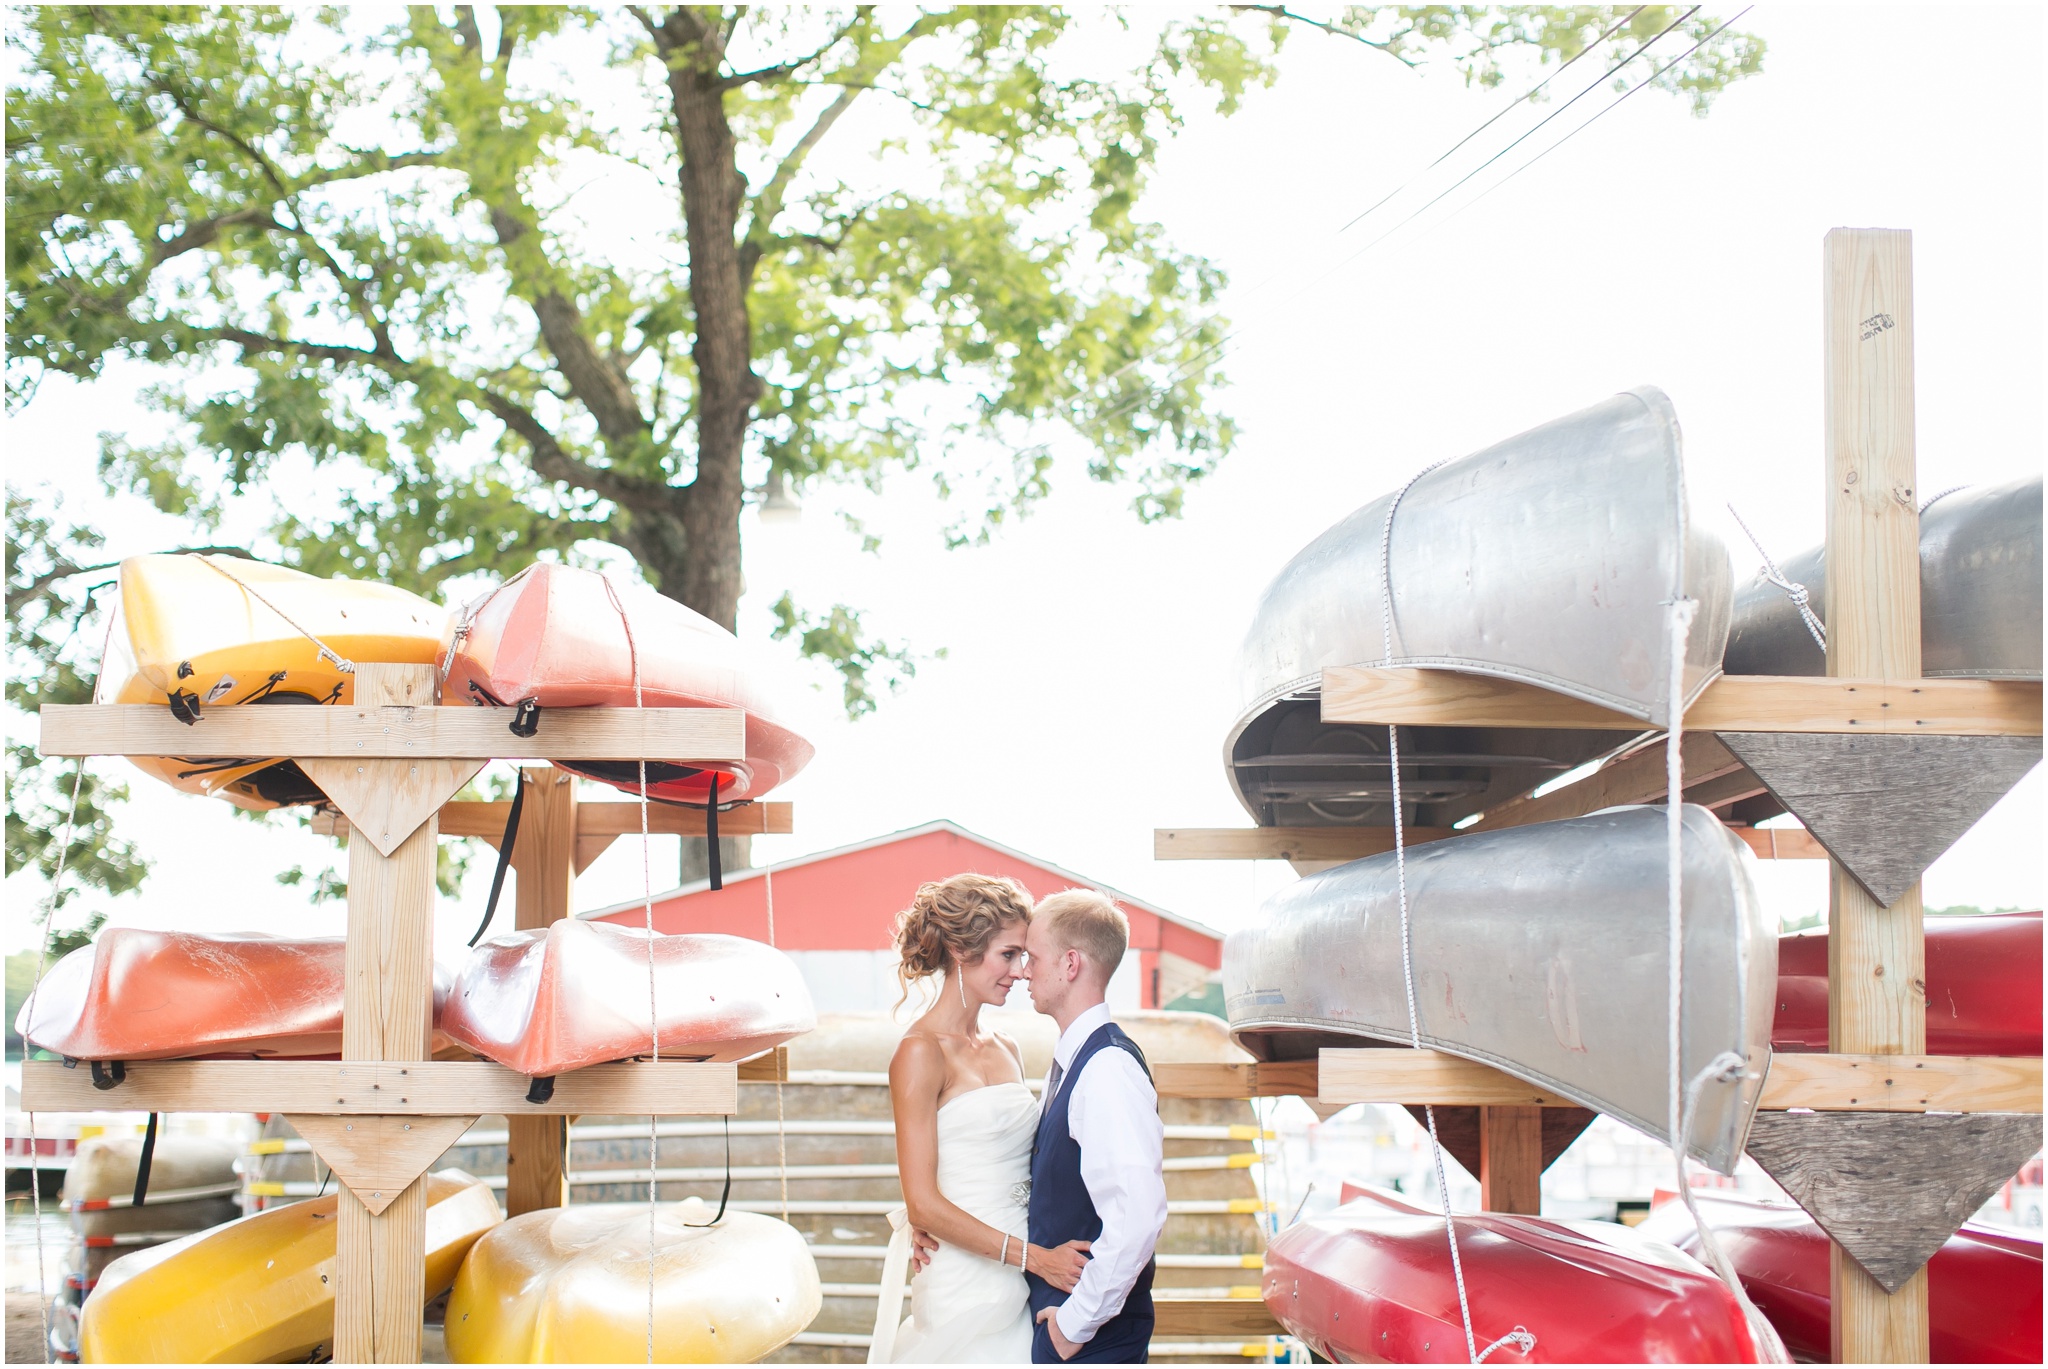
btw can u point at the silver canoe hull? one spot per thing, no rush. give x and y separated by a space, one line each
1540 950
1980 594
1547 558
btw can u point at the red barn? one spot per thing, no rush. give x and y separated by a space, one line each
834 912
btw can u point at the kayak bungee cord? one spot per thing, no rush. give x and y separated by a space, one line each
653 1018
1684 1101
1436 1144
327 653
506 841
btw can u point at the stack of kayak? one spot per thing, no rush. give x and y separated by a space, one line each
539 1002
197 632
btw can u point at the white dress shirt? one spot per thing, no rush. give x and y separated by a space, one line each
1113 1115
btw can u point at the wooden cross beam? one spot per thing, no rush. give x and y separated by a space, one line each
1733 703
1336 844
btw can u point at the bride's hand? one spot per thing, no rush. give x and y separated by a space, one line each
1062 1265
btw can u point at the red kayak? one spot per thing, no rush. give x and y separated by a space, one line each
143 995
546 1002
1371 1283
555 637
1983 987
1983 1287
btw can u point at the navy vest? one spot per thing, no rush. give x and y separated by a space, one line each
1061 1209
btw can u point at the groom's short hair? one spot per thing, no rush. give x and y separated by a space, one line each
1086 921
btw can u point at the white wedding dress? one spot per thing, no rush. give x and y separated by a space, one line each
965 1308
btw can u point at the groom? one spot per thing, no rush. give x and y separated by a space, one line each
1097 1167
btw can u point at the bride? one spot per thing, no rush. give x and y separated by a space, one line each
965 1120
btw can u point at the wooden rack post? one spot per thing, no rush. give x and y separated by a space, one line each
390 760
387 1014
543 864
1876 955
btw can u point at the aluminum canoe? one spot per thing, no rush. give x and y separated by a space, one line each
1540 950
1983 1286
577 993
1372 1283
1548 558
1980 594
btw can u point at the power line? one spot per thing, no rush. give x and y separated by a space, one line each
1235 335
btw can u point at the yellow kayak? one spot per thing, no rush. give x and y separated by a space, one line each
569 1286
201 632
259 1290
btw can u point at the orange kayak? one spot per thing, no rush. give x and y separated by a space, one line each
576 994
555 637
135 994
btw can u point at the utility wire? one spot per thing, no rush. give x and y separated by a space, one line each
1356 219
1236 335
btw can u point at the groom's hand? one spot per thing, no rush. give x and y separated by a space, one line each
1061 1346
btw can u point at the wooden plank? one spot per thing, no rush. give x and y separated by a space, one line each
1212 1079
387 1015
1781 843
1401 1075
1903 1083
1511 1160
684 735
772 1068
1229 1317
1891 1188
1886 807
376 1157
1734 703
1636 778
1279 843
1876 961
439 1088
486 820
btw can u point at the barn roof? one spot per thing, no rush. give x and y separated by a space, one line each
942 825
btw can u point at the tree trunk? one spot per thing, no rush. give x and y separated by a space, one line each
727 387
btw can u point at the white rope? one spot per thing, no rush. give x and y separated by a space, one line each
1794 591
1436 1146
653 1018
1520 1338
327 653
1728 1066
781 1131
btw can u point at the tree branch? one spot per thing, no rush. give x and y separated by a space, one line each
783 70
1335 30
319 351
551 461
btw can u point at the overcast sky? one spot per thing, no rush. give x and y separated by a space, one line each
1088 682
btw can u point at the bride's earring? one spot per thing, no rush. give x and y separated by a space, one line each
962 985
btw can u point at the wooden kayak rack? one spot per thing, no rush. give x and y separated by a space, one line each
390 762
1877 1067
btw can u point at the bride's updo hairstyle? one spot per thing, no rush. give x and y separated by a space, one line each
952 921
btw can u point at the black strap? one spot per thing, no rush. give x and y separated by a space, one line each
108 1074
711 843
540 1089
505 844
184 707
142 1165
727 1193
525 718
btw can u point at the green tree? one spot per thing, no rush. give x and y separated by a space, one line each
351 241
